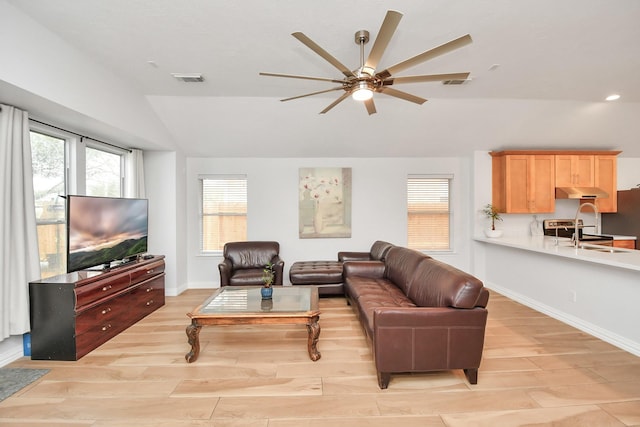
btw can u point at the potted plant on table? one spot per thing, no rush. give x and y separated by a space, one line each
268 276
492 213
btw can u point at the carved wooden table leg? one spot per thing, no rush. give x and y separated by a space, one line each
193 336
314 334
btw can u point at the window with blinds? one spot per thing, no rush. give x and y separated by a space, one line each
429 212
223 211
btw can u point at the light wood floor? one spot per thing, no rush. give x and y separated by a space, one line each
536 371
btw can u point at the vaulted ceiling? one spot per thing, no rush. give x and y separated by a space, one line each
544 66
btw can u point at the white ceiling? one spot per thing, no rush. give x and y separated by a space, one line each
570 52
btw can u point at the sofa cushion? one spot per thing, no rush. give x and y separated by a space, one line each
379 250
436 284
246 277
378 290
400 266
371 293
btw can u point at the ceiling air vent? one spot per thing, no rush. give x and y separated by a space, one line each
188 78
455 81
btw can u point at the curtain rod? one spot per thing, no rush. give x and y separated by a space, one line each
80 135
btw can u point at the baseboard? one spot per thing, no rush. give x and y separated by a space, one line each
589 328
11 349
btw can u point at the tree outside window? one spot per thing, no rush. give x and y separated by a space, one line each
48 160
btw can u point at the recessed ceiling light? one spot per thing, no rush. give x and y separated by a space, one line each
613 97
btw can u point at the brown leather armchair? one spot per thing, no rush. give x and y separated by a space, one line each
244 263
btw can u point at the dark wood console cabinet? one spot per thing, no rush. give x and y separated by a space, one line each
72 314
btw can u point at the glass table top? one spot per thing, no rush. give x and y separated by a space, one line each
237 300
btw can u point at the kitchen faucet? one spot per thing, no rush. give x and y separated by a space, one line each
576 240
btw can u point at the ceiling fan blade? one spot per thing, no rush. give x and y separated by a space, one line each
387 29
313 93
336 102
402 95
371 106
424 56
425 78
323 53
291 76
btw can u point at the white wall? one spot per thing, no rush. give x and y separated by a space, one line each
54 81
628 173
164 180
378 206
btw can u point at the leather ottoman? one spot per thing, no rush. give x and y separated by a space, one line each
326 275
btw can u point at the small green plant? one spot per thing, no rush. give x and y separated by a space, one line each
268 275
492 213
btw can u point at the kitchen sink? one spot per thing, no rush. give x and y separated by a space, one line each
604 249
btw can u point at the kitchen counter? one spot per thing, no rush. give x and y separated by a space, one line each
596 292
622 258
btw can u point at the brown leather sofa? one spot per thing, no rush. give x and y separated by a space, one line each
419 314
244 262
377 253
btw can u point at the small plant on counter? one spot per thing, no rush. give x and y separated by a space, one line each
492 213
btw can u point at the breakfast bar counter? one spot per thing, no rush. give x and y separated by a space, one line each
594 290
615 257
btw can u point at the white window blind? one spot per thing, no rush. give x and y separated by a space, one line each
223 211
429 212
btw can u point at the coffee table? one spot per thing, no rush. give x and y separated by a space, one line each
235 305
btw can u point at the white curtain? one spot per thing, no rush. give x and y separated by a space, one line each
19 262
134 187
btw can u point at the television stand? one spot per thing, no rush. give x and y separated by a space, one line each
72 314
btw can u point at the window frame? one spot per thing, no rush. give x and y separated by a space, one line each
201 236
67 140
450 212
95 145
75 159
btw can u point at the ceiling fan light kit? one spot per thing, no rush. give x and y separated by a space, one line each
362 83
362 92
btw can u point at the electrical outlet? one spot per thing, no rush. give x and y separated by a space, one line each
574 296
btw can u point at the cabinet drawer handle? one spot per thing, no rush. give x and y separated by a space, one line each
106 310
149 289
149 303
104 328
150 271
106 288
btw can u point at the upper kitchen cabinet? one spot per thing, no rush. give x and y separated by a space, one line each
606 178
575 170
523 182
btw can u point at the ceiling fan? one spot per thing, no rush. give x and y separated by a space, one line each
363 82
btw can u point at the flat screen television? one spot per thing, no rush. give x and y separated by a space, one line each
104 230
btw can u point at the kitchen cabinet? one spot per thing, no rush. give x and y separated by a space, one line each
590 170
523 182
574 170
606 178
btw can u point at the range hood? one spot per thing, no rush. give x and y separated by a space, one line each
580 193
